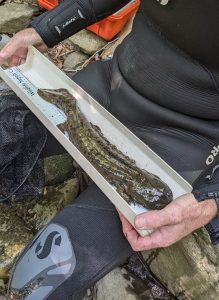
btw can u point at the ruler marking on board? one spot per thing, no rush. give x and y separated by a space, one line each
51 111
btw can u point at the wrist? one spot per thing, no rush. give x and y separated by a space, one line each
35 37
209 207
209 199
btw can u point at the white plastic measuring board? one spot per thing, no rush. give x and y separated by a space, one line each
39 72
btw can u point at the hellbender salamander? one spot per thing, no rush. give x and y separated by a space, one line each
135 185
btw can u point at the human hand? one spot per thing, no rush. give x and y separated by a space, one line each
170 224
16 49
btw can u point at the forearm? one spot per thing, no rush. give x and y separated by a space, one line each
71 16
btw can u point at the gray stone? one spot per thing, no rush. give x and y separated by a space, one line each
58 168
87 41
74 60
15 17
4 39
115 286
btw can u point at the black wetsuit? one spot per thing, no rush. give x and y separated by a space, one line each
162 83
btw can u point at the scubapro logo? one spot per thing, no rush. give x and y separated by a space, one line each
45 264
163 2
44 251
211 157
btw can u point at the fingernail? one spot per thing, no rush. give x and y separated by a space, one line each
139 222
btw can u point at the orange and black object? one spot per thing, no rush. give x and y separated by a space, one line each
109 26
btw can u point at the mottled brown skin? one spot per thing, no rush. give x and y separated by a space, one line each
134 184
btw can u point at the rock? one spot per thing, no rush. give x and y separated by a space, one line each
189 268
36 214
2 290
58 168
4 39
14 236
74 60
15 17
87 41
117 285
20 221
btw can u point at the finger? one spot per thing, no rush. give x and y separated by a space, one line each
118 211
130 233
152 241
139 243
21 40
42 48
9 49
22 61
126 226
159 238
21 52
132 237
162 237
14 61
171 214
4 55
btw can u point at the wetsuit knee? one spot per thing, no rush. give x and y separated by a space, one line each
81 244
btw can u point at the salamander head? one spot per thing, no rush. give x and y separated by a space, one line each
55 96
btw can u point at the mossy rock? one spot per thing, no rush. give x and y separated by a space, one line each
14 236
58 168
20 221
189 268
37 213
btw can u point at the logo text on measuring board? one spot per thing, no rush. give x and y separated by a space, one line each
21 80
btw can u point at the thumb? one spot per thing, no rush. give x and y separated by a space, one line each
21 39
8 50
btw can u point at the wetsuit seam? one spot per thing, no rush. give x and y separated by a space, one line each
212 77
142 94
193 134
153 100
150 95
130 84
146 127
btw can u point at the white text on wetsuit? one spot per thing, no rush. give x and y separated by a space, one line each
214 153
